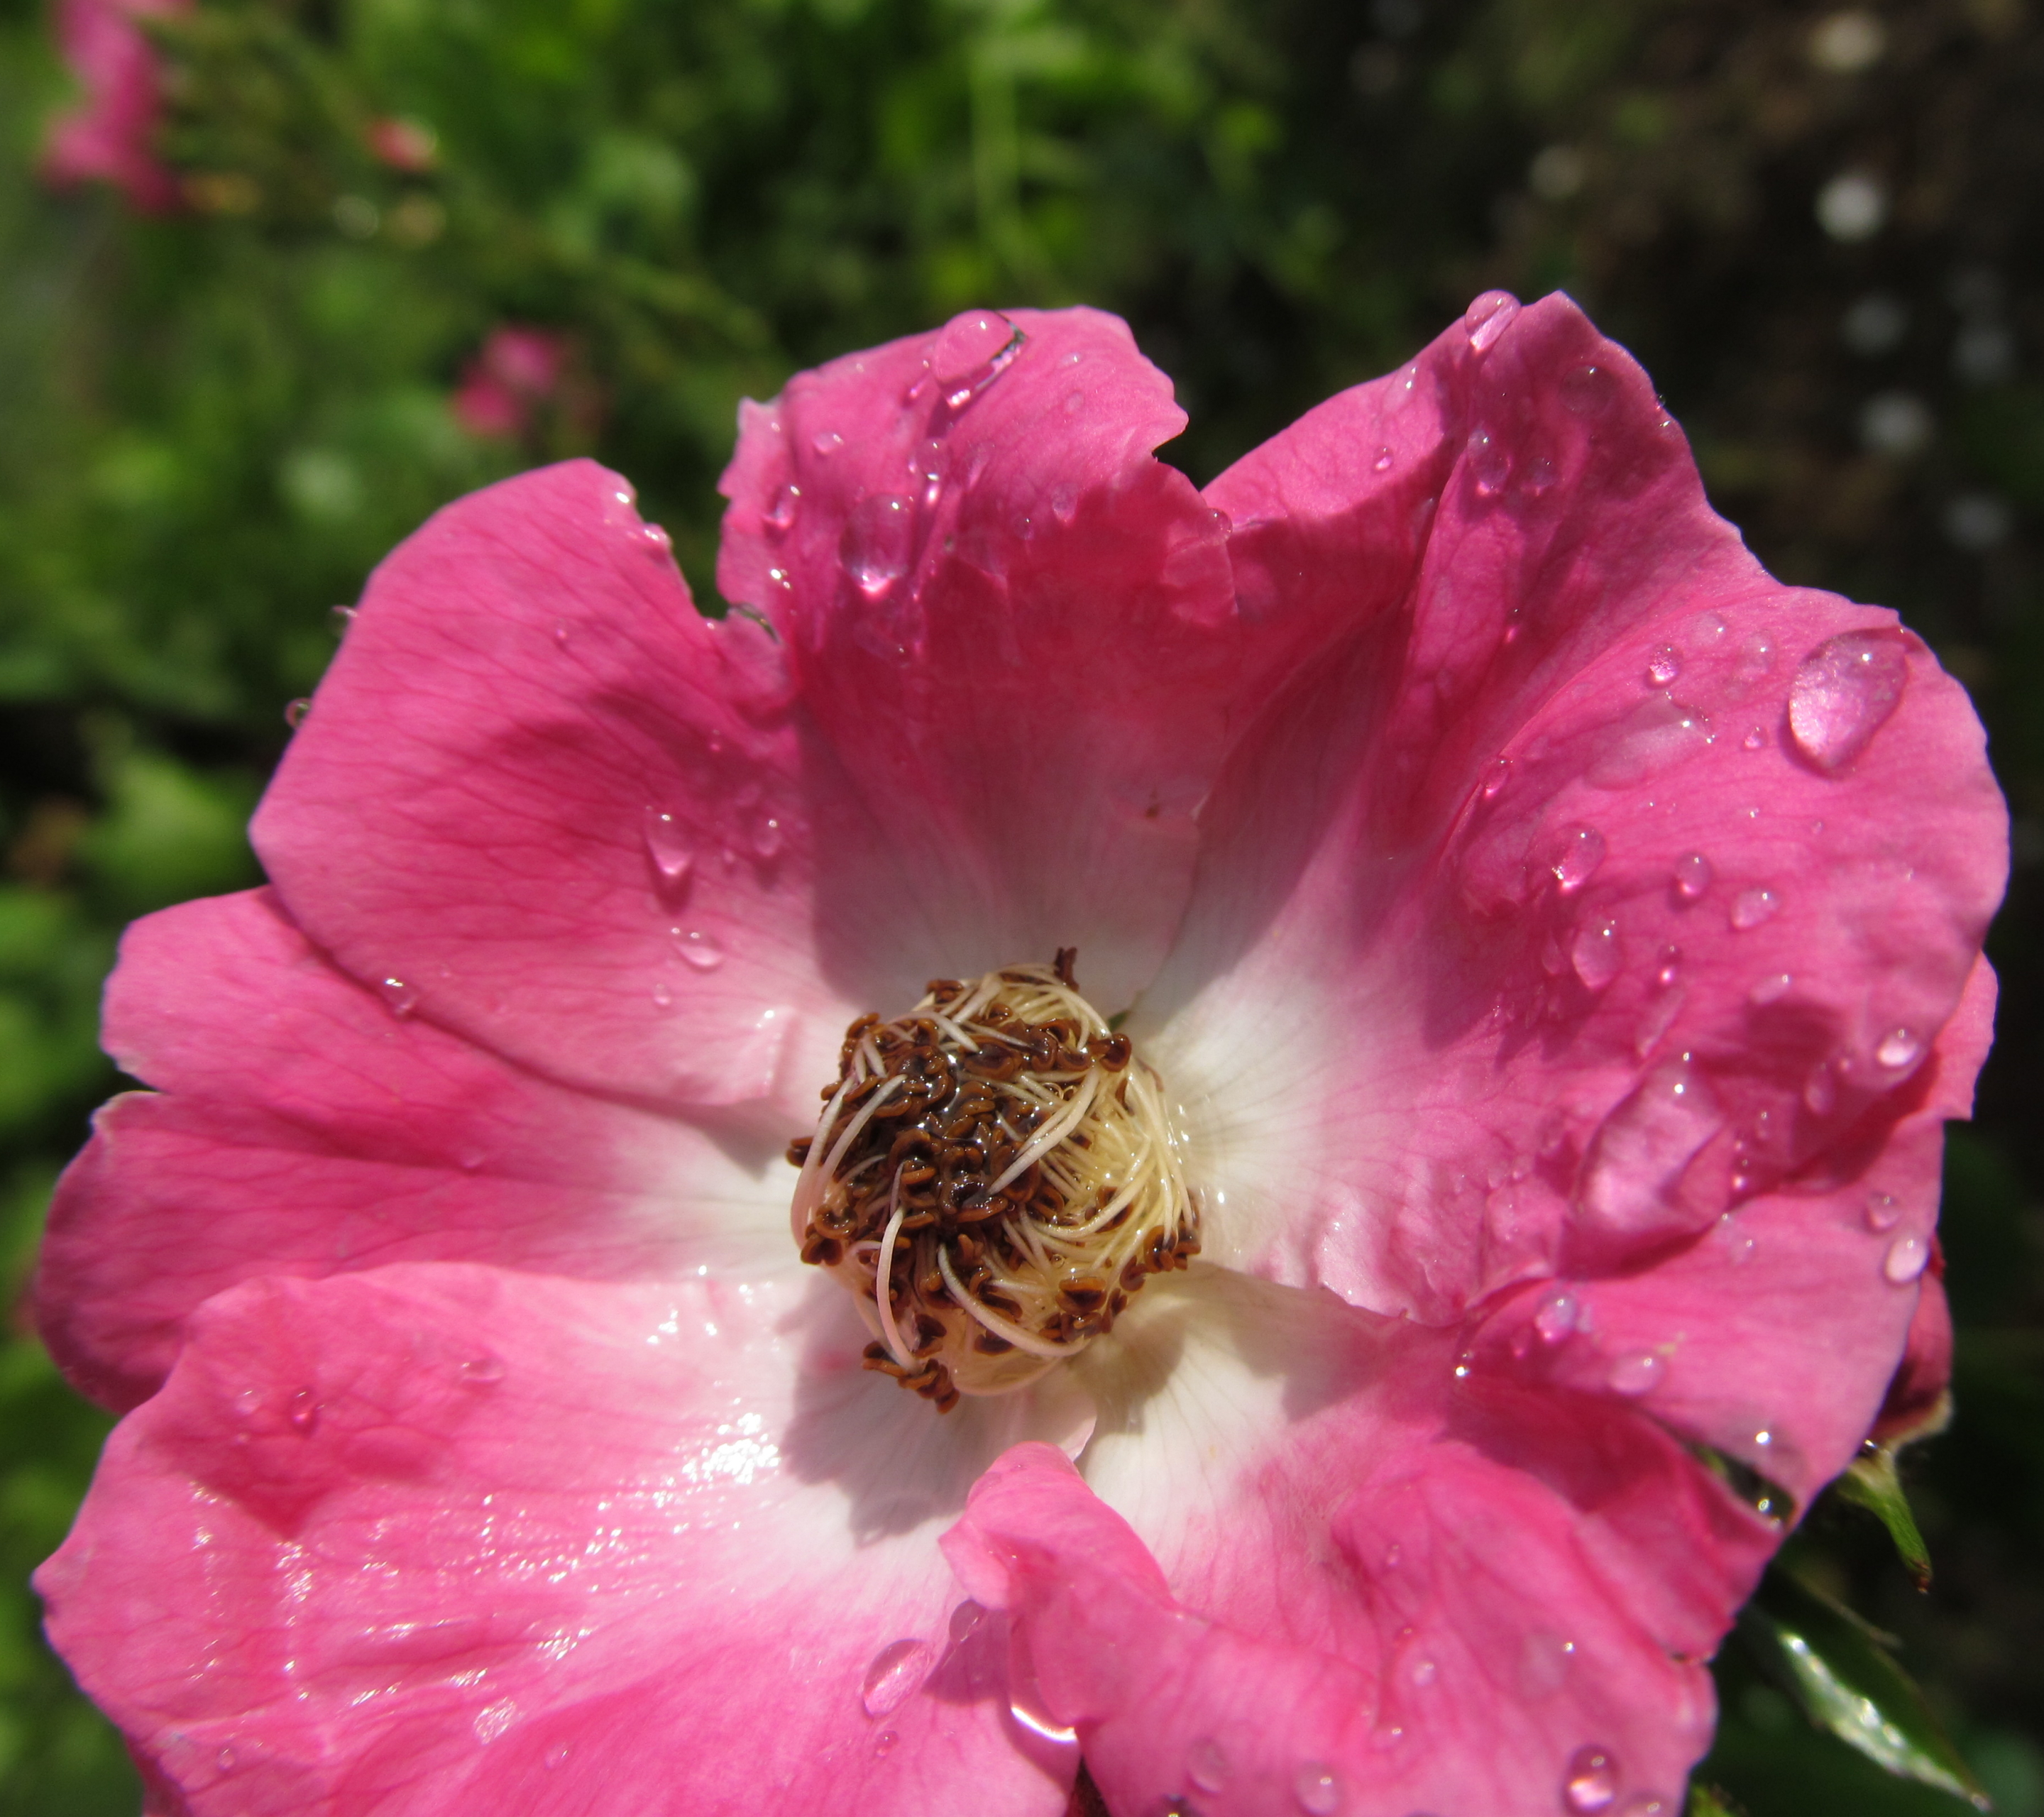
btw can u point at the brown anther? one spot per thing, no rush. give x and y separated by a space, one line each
822 1251
1061 965
1087 1293
798 1150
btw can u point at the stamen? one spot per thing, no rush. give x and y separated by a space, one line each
1012 1147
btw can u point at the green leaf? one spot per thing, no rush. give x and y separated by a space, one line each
1872 1483
1707 1801
1840 1671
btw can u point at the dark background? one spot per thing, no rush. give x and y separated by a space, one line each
1819 232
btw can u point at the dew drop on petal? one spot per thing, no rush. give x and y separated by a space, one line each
967 342
826 443
782 515
1898 1048
1754 738
1207 1765
225 1760
403 998
305 1411
1425 1673
883 1743
1907 1258
1496 777
1664 665
1317 1789
1539 475
1382 463
896 1674
1074 402
1635 1372
1594 953
1591 1784
1657 1019
1581 852
1556 1317
1751 907
1771 988
663 996
1844 692
702 950
484 1369
965 1621
768 838
1693 877
1490 466
1668 966
667 846
557 1756
1485 320
1884 1212
878 542
1064 503
294 713
1589 390
1820 1090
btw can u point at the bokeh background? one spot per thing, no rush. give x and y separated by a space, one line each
397 248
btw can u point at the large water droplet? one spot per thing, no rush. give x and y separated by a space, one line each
769 838
1317 1789
965 1621
668 847
1751 907
826 443
1884 1212
1064 503
1771 988
1496 777
305 1411
1207 1765
1556 1316
294 713
1844 692
1636 1371
1489 462
878 542
1485 320
403 998
1664 665
484 1369
1907 1257
1581 851
704 951
896 1674
1594 953
1898 1048
967 342
1642 1149
786 502
1693 877
1592 1783
1660 1017
1539 475
1382 462
1656 733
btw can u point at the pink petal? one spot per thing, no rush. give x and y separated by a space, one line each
443 1539
1014 626
110 138
1525 936
541 800
305 1129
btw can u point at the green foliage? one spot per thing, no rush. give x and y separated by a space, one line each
213 424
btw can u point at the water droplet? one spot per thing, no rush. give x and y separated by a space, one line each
1820 1090
1664 665
1693 877
967 342
663 996
1884 1212
1543 1663
1556 1317
704 951
667 846
1581 851
1636 1371
965 1621
1844 692
343 617
1485 320
1489 463
1754 738
896 1674
1751 907
403 998
1642 1149
657 541
469 1159
1898 1048
1316 1787
305 1411
883 1743
781 517
1382 463
1425 1673
1496 777
1064 503
878 542
1658 1018
1074 402
1591 1784
768 838
1538 475
484 1369
1594 953
557 1756
225 1760
1207 1765
825 443
1907 1257
1661 730
1771 988
294 713
1589 390
1668 966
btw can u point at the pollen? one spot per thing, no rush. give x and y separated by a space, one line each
993 1176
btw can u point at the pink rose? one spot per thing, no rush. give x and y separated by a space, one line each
110 136
1550 949
518 371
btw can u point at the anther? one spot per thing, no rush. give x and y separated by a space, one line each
1004 1158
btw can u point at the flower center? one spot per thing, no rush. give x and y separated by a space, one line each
993 1176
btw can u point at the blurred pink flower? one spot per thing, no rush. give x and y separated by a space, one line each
1561 942
518 371
406 145
110 136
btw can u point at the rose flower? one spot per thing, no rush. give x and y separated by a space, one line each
1366 1051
